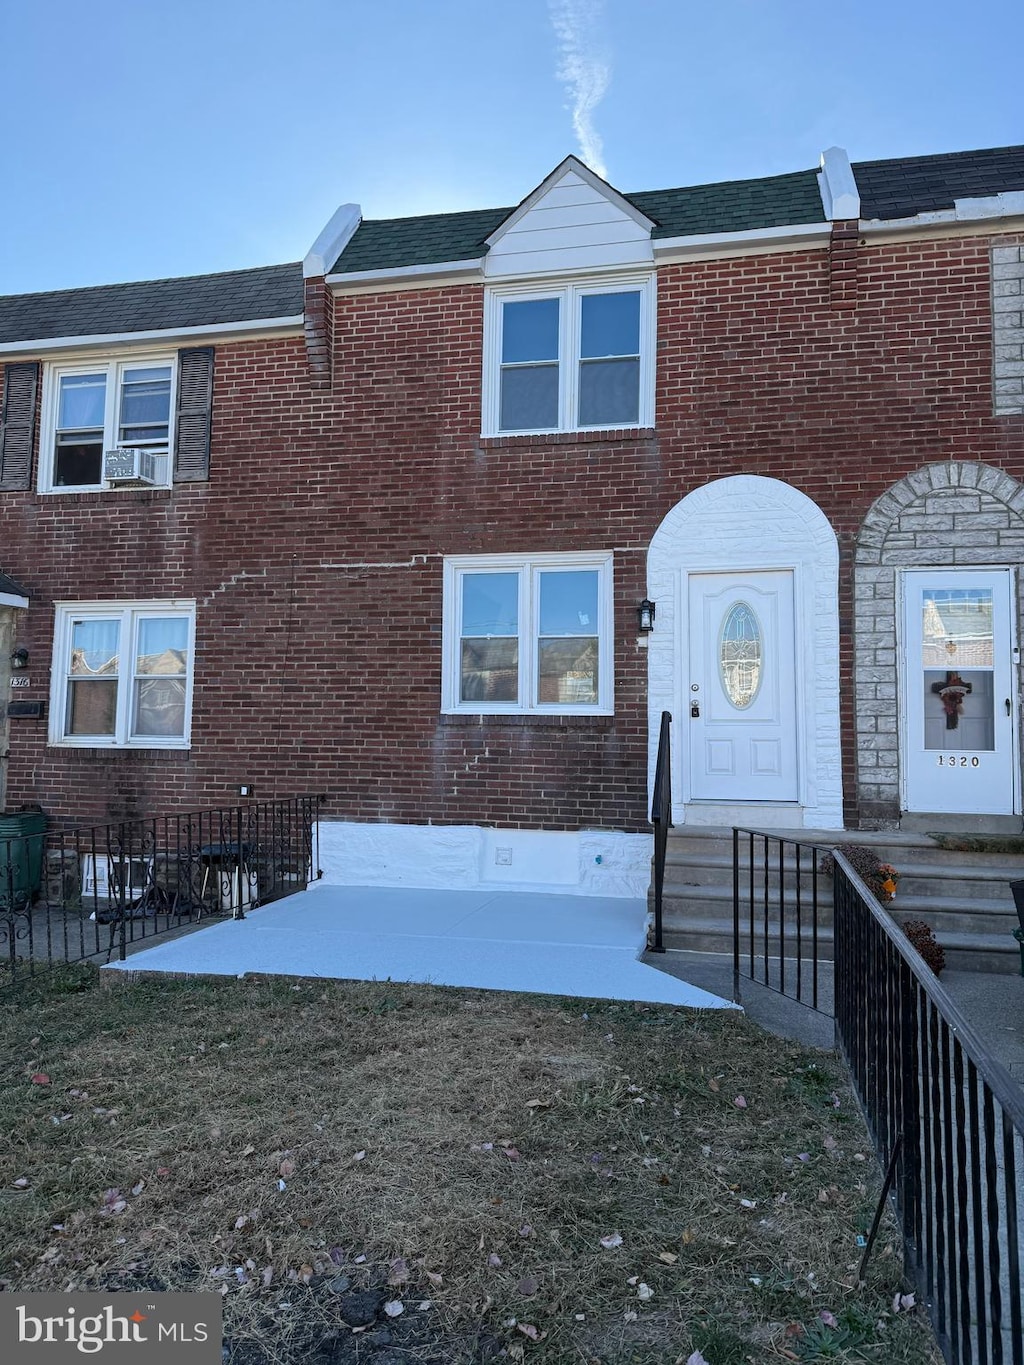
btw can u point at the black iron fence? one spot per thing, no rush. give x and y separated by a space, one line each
661 819
782 917
948 1118
92 894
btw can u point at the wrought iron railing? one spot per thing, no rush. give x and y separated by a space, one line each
661 819
946 1119
782 917
93 893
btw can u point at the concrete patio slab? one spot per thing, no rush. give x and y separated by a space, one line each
581 946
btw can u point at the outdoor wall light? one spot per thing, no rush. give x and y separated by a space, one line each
645 615
19 659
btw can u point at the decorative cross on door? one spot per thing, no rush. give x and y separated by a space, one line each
952 693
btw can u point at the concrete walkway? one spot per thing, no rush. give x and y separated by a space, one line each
582 946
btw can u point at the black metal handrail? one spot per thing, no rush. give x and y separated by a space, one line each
949 1117
787 925
661 819
89 893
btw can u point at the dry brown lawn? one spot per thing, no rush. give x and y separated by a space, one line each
515 1177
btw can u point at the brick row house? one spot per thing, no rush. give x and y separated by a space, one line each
440 520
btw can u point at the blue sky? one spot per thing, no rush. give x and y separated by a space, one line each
147 139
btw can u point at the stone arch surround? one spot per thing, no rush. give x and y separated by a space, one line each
957 514
749 522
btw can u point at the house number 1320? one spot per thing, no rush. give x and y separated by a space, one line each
957 761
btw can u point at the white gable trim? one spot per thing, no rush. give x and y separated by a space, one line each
332 241
599 186
840 197
708 246
8 599
234 331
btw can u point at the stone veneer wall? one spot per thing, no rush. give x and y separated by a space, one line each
952 515
1008 324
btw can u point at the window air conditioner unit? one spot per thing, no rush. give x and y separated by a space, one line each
130 464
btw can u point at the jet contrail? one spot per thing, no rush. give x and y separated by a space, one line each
584 71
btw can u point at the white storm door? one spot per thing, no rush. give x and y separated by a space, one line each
740 702
958 690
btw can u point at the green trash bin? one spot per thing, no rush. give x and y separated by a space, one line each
22 836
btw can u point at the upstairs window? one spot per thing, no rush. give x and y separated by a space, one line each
94 408
528 634
574 358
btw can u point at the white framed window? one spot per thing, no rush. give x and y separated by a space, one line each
94 406
122 674
569 357
528 633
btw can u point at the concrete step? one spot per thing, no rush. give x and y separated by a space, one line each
965 897
710 935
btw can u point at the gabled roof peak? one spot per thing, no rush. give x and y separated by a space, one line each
571 166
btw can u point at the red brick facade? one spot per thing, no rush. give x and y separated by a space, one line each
315 551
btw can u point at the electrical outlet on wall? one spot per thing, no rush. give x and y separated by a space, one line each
503 857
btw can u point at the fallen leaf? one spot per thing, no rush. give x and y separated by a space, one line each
248 1149
40 1078
667 1257
740 1102
494 1261
526 1230
267 1276
688 1236
138 1187
528 1286
240 1222
713 1085
398 1271
434 1277
306 1274
394 1308
645 1292
528 1330
629 1315
831 1143
829 1319
748 1203
613 1239
360 1156
163 1170
511 1152
538 1104
21 1183
696 1359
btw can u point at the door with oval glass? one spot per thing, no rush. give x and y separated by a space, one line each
741 692
958 688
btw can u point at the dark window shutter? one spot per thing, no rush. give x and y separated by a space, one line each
193 418
18 424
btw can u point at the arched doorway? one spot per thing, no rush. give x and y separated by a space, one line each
745 654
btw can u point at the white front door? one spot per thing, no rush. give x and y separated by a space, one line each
958 692
739 720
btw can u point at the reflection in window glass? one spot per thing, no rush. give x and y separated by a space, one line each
490 604
145 405
568 603
956 625
741 655
489 670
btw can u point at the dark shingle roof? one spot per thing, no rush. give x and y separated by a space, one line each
389 243
8 586
272 291
921 184
733 205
